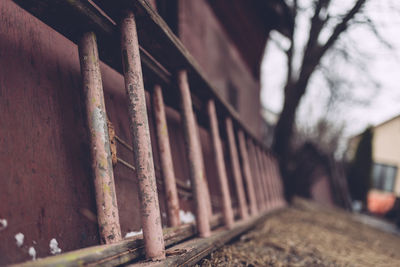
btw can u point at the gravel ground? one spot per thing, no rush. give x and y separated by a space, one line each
307 234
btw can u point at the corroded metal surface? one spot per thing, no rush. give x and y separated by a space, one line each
278 181
262 176
254 175
257 174
237 175
150 210
270 184
194 156
106 200
268 187
167 167
220 163
207 196
271 178
247 174
274 182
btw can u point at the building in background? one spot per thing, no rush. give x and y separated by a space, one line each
385 182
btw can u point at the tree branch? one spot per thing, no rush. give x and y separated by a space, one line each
289 52
341 27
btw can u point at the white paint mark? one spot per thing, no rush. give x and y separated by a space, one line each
188 183
186 217
54 249
32 252
164 215
20 239
98 122
3 224
131 234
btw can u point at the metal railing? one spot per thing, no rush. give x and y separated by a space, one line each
144 39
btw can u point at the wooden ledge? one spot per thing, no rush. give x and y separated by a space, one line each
190 252
132 249
118 253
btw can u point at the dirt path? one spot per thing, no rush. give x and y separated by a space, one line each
310 235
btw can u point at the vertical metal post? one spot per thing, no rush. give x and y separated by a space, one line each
150 210
275 180
194 156
167 167
237 175
271 187
262 176
220 163
106 200
207 196
256 175
246 172
279 182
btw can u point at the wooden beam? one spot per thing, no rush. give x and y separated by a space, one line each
118 253
192 251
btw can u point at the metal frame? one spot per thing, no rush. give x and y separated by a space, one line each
171 67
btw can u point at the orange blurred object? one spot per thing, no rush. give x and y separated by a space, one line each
380 202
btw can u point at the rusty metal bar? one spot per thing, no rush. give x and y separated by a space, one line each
167 166
220 163
275 181
237 175
150 210
182 185
194 156
270 183
274 176
262 176
247 174
123 143
269 180
207 196
126 164
278 179
255 175
106 200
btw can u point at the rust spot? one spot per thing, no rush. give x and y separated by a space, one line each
113 143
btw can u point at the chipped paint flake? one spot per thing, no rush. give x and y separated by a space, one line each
32 253
20 239
54 249
131 234
3 224
186 217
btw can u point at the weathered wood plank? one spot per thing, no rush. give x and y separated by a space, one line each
192 251
118 253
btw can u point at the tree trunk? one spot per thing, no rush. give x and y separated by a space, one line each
284 127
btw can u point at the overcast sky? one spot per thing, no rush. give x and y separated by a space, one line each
382 64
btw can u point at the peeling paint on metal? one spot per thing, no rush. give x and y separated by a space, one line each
19 239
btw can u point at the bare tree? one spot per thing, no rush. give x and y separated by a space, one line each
298 78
